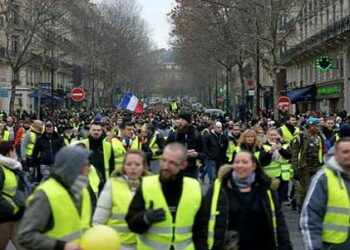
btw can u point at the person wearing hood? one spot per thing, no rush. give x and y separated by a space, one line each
117 194
243 205
59 211
45 149
10 211
325 217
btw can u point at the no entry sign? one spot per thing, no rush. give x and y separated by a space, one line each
77 94
283 103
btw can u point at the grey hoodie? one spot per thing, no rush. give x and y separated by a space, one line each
38 216
314 209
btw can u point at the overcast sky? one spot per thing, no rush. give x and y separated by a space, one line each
154 12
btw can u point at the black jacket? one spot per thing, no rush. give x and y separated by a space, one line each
251 216
45 149
216 146
172 191
191 140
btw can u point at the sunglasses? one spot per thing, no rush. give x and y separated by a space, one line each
48 126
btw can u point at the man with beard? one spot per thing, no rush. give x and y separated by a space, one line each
190 138
289 130
233 137
165 201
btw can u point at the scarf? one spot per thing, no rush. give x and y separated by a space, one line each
247 182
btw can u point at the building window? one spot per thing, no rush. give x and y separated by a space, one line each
15 14
341 8
14 45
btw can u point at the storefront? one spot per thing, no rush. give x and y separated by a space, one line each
330 98
303 99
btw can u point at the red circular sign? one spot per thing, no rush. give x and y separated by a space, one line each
283 103
77 94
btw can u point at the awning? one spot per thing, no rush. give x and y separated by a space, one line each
46 97
305 94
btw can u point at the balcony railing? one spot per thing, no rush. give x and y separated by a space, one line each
336 29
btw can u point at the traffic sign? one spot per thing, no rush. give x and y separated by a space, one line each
283 103
77 94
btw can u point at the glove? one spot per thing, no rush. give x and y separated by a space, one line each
152 216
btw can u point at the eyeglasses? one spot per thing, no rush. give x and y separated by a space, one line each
48 126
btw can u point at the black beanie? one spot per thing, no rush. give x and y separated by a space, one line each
344 130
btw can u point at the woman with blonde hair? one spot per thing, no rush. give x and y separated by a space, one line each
117 194
248 142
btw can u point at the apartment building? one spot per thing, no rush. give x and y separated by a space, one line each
321 36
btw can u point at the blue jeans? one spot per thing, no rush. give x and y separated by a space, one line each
210 168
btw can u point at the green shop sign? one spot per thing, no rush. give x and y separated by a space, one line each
329 90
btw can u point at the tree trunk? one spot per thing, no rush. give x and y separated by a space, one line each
14 82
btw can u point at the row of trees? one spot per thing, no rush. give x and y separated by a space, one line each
108 43
212 36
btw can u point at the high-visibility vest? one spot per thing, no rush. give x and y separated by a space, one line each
337 137
68 223
320 152
122 197
119 153
136 143
214 212
178 233
287 135
336 222
6 135
67 141
107 152
31 143
256 154
274 168
10 187
173 106
287 171
230 149
94 180
154 147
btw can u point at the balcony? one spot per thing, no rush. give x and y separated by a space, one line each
336 30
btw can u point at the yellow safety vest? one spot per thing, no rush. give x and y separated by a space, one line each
287 135
173 106
337 137
163 235
256 154
214 212
136 144
107 152
122 198
68 223
30 145
274 168
154 147
287 171
6 135
119 153
67 142
10 187
94 180
336 222
230 149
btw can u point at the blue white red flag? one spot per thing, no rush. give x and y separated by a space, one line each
131 102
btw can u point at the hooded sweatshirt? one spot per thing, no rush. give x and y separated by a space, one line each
38 215
315 206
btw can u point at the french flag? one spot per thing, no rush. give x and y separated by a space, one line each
131 102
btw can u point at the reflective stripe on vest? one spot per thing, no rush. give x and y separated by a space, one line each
287 135
75 222
107 152
67 142
94 180
154 147
122 197
167 233
230 149
336 222
215 212
286 166
10 187
274 168
119 153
